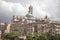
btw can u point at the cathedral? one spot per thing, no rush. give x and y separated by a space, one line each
29 24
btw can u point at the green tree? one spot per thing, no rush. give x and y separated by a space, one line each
31 37
12 36
57 37
43 36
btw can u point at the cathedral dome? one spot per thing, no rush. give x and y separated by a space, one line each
29 15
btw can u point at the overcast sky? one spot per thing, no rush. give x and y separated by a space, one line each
41 8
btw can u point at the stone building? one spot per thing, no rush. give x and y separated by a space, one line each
29 24
22 23
4 29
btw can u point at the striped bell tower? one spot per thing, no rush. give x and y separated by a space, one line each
30 9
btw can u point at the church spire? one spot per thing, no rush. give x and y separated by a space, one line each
46 17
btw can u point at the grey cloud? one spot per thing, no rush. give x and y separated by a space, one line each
8 8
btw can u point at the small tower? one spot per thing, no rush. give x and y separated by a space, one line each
15 18
46 17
